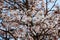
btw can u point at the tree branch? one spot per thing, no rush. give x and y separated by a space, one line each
9 33
53 6
46 7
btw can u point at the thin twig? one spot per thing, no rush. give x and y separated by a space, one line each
9 3
19 5
53 6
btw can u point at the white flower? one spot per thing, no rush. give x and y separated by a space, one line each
34 19
29 18
18 17
55 22
24 19
12 12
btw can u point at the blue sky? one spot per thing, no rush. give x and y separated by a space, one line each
51 4
58 2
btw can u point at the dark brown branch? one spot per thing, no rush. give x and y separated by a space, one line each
9 33
46 7
26 4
